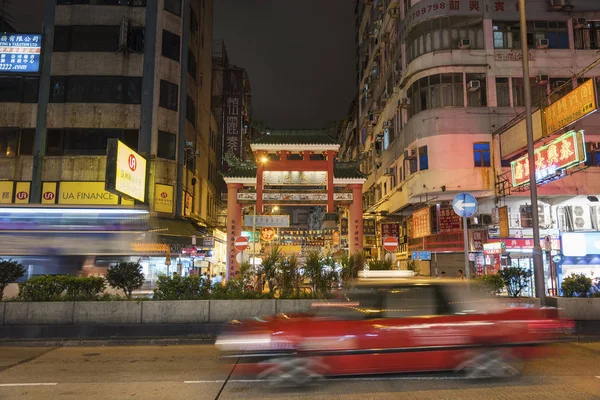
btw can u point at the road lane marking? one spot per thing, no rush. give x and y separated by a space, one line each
27 384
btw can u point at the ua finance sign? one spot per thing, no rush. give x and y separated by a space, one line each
125 171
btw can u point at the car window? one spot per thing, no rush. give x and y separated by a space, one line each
413 301
472 299
362 303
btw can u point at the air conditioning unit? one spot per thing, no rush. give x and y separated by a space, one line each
394 12
542 79
124 35
485 219
387 124
557 4
379 137
579 23
558 84
542 44
464 44
413 153
473 86
390 171
404 102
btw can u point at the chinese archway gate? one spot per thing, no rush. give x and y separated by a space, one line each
294 168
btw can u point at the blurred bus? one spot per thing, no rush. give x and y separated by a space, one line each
61 240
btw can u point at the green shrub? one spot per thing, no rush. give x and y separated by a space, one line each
380 265
84 288
576 285
43 288
515 279
235 289
290 278
494 282
180 288
10 271
126 276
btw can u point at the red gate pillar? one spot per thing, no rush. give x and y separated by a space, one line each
259 185
330 204
355 220
234 226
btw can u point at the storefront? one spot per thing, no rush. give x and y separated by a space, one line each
580 254
518 252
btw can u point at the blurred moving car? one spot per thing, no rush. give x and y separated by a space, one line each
385 326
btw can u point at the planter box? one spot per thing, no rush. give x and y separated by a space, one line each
107 312
581 309
294 306
47 313
2 306
227 310
175 312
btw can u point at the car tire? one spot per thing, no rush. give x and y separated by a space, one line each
490 364
291 371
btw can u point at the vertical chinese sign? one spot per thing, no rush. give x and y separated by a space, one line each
233 93
421 223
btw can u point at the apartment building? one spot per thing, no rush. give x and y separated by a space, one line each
111 79
441 102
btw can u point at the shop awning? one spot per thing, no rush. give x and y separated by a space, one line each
178 231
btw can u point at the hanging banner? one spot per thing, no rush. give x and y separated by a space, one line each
421 223
369 227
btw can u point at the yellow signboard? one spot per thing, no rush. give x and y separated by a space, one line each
49 192
22 192
86 193
163 198
6 192
130 173
571 107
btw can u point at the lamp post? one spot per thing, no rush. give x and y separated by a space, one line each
538 262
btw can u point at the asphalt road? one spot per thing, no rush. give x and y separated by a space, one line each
194 372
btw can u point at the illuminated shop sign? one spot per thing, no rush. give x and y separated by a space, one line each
576 244
20 52
571 107
125 171
550 160
494 248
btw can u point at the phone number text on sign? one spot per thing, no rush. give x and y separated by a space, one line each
424 10
448 5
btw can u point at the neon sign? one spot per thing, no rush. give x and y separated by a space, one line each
562 153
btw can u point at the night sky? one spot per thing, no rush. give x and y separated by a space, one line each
299 54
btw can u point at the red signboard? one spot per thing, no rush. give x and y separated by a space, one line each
390 229
566 151
449 220
526 244
421 221
478 239
390 243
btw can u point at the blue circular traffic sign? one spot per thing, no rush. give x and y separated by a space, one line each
464 205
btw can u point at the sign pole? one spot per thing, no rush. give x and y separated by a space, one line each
538 262
466 240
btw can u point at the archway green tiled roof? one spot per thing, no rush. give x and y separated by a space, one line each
296 137
341 170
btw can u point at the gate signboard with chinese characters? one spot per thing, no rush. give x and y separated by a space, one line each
233 91
562 153
571 107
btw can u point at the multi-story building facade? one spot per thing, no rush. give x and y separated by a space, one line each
104 84
441 107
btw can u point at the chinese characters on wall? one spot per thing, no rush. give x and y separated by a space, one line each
233 98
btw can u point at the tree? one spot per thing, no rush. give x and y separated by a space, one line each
127 276
576 285
290 277
270 263
493 282
10 271
516 279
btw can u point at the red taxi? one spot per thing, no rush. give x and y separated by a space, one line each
384 326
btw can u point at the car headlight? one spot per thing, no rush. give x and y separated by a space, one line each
243 342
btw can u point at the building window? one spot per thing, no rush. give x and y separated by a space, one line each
86 141
130 3
444 34
423 158
170 45
89 38
476 90
169 93
9 142
19 89
539 93
135 39
192 66
167 143
435 91
193 24
481 154
502 92
507 35
96 89
191 111
588 36
173 6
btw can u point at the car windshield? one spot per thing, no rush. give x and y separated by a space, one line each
473 299
359 303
